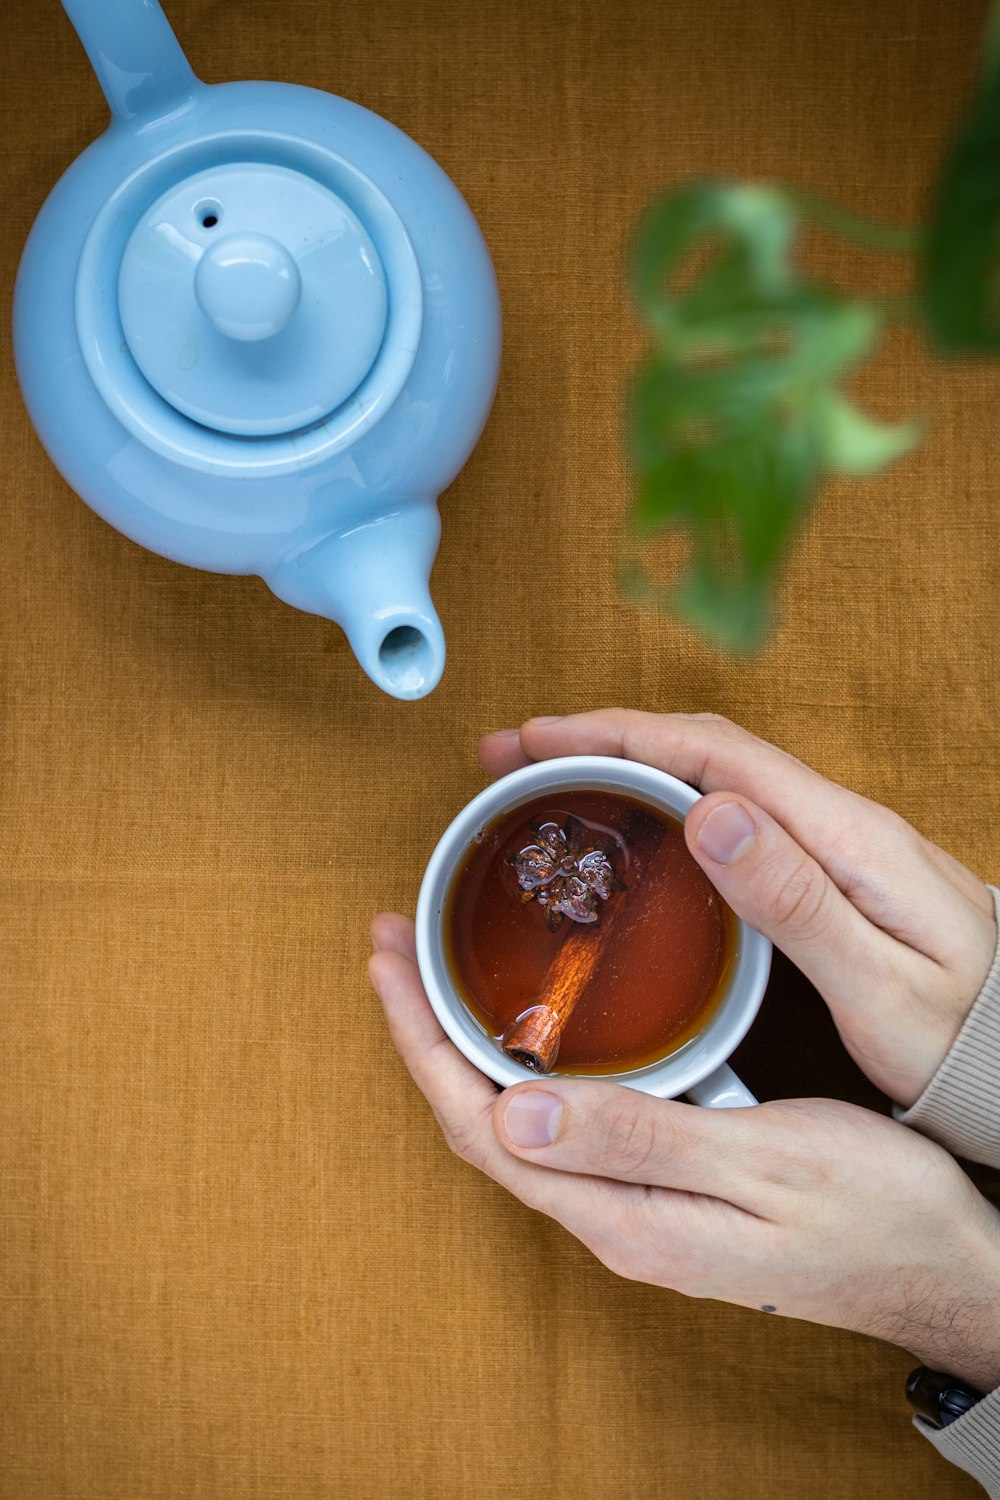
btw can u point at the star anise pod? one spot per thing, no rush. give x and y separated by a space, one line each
565 872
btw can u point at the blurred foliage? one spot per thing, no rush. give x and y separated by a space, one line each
737 412
961 270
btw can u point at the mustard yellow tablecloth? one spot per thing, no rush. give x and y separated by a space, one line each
237 1261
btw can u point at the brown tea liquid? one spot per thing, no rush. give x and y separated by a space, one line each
663 963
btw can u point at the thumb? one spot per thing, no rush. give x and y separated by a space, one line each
782 891
597 1129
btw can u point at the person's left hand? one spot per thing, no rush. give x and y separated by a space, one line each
808 1207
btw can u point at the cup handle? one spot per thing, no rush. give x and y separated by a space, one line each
721 1090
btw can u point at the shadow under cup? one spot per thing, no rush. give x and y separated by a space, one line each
698 1067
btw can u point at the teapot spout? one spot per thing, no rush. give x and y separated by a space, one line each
372 579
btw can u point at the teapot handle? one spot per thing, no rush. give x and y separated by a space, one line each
138 60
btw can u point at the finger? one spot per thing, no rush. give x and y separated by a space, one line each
437 1067
883 866
709 752
778 888
395 932
606 1130
462 1100
617 1220
501 752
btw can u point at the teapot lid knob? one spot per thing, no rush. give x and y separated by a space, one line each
248 286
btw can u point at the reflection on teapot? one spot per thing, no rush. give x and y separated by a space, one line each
258 330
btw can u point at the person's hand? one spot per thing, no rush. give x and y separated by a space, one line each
895 934
810 1208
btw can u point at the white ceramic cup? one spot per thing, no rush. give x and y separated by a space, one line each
698 1068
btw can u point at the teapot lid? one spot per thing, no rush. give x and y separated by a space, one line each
252 299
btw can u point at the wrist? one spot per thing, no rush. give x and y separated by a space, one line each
962 1336
976 1366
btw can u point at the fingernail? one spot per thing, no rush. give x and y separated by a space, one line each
546 719
504 734
726 832
376 946
532 1118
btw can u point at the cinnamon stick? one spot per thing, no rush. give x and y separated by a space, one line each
533 1039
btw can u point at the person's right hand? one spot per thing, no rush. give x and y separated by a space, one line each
896 935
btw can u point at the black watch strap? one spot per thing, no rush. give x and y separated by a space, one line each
940 1399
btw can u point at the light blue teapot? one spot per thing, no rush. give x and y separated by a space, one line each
258 330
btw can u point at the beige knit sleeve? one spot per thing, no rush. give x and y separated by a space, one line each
960 1107
972 1443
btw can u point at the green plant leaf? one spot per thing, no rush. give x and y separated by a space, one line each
736 414
961 271
852 443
